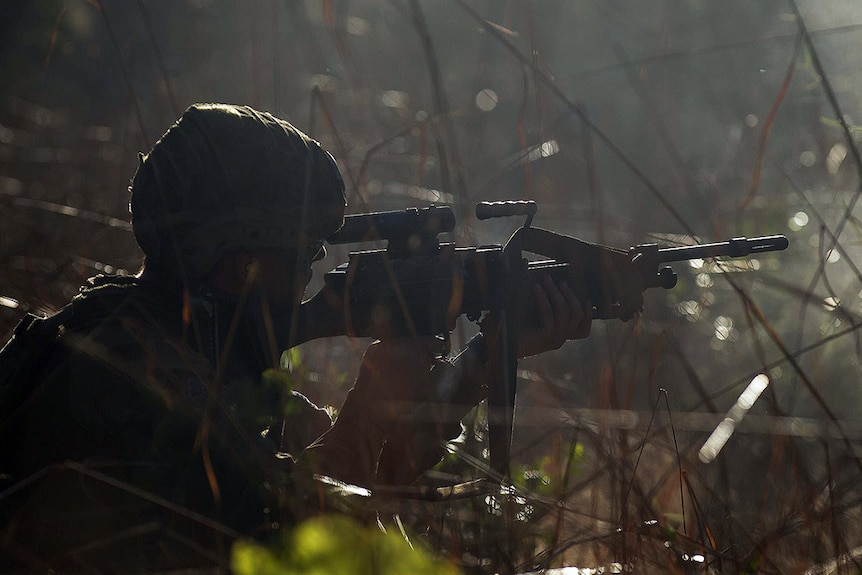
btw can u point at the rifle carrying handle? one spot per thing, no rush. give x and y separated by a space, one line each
487 210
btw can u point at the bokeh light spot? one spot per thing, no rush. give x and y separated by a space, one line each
357 26
835 156
798 221
723 328
704 280
807 158
393 99
486 100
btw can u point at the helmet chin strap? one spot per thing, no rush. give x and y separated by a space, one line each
241 328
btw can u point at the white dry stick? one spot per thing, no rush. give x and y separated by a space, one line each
724 430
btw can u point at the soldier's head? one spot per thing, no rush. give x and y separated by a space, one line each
227 188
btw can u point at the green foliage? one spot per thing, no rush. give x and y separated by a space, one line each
334 545
833 123
753 565
292 359
257 404
548 475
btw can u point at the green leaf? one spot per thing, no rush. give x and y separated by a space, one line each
337 545
251 558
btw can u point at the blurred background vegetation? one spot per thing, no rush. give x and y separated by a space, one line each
669 121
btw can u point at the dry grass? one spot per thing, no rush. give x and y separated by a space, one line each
671 123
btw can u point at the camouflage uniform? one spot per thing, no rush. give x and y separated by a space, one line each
141 426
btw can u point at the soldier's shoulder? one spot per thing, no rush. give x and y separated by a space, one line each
126 322
123 301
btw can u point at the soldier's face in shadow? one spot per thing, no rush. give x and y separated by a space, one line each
279 278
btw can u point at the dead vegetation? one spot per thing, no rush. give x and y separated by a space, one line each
673 122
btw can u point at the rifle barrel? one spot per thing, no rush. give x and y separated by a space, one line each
733 248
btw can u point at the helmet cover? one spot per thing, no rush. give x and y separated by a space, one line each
228 178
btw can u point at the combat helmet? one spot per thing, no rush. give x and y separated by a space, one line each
227 178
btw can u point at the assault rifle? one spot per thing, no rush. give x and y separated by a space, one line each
416 285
